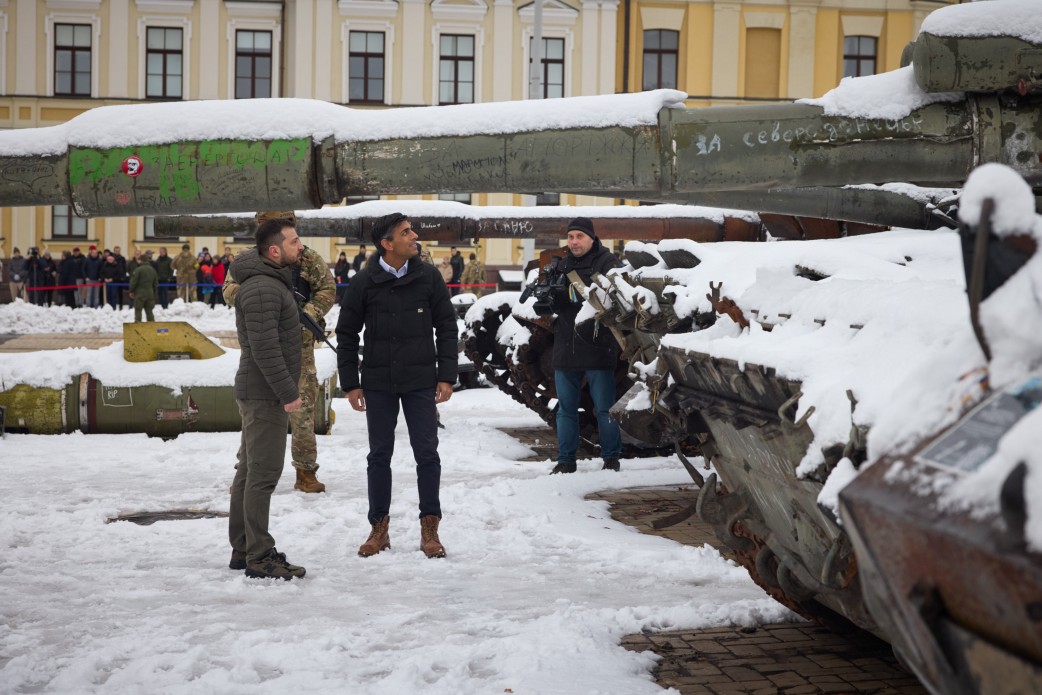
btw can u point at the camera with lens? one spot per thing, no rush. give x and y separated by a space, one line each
33 251
551 283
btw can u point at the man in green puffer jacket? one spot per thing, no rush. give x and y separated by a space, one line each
268 326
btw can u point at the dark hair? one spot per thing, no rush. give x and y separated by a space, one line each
473 256
383 227
269 233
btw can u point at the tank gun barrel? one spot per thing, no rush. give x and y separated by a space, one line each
452 222
686 153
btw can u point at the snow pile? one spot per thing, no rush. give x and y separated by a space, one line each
537 590
273 119
1017 18
889 95
21 317
448 208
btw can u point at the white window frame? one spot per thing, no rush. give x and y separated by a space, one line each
185 25
95 47
237 23
474 30
528 34
558 23
387 29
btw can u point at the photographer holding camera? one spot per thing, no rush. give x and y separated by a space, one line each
581 350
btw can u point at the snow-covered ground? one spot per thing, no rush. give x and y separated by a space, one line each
538 588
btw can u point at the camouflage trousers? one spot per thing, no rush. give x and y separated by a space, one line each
184 291
302 422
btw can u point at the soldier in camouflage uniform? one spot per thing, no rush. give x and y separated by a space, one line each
184 266
473 274
426 256
312 280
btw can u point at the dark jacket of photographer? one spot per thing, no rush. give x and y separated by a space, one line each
410 330
575 347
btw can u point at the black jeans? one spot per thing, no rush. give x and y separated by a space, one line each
421 416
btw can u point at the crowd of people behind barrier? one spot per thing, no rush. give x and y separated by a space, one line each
102 277
97 278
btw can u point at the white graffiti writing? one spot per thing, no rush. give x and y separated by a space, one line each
830 131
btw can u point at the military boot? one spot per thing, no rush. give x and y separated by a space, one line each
307 482
378 539
238 561
429 543
273 565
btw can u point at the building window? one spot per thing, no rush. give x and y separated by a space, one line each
252 64
163 61
859 56
553 67
72 45
660 58
547 199
455 197
456 70
66 225
366 67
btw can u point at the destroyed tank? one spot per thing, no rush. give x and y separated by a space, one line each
964 101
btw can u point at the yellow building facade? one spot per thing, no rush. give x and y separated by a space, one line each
59 58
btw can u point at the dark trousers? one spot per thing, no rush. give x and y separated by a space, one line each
421 416
261 459
161 296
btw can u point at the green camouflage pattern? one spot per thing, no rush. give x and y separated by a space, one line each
302 422
315 272
184 266
473 274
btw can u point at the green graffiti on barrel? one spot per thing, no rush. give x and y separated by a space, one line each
190 176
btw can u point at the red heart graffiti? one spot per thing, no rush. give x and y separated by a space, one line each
122 198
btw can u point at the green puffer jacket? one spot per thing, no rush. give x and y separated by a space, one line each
268 325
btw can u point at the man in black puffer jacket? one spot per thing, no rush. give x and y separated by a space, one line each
409 359
268 325
583 349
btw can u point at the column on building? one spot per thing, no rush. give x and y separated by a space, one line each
803 21
503 69
726 35
609 11
413 43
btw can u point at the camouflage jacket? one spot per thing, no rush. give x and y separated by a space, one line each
184 264
473 274
313 271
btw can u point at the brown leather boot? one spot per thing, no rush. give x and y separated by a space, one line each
378 539
307 482
429 543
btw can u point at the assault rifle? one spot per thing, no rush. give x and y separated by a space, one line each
310 323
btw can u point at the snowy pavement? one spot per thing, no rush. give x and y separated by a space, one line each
538 588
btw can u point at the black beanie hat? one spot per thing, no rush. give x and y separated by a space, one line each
584 225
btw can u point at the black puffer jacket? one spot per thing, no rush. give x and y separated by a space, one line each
575 347
410 330
268 324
